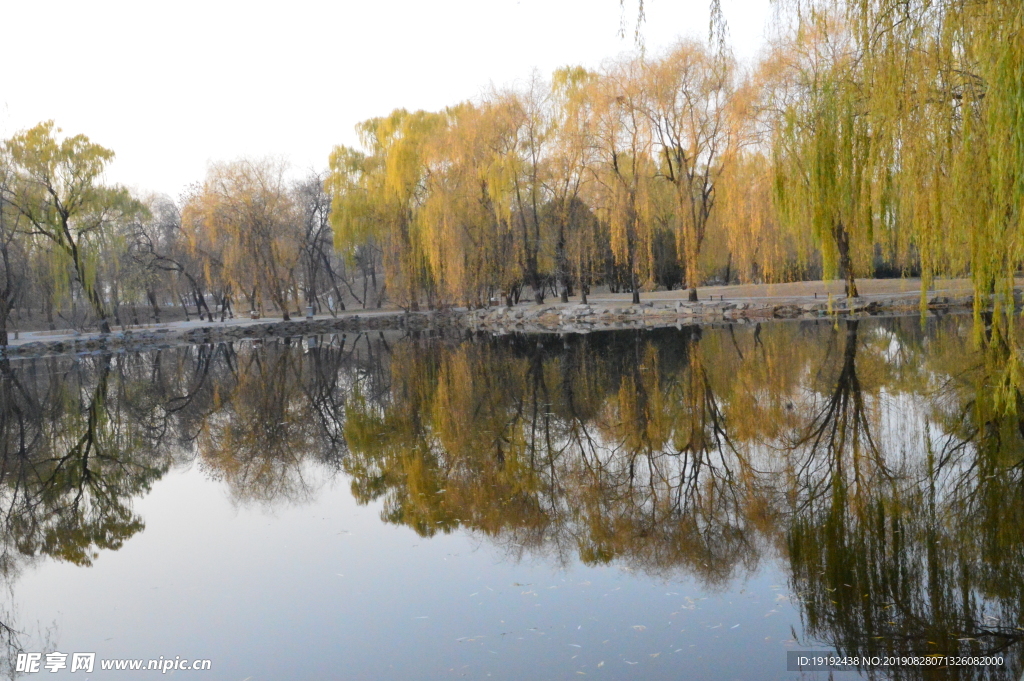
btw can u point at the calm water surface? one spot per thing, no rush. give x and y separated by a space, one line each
672 504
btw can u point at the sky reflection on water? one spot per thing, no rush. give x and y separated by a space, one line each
327 591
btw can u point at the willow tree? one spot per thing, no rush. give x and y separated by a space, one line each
245 208
759 249
468 220
956 71
378 193
688 98
623 169
56 188
524 135
569 165
926 99
826 146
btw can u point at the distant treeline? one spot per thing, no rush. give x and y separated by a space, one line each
871 138
76 252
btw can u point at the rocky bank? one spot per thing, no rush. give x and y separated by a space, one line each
554 318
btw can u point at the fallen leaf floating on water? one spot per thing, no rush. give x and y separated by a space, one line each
639 627
734 626
601 663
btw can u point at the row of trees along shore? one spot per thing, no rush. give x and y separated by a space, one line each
881 136
75 251
875 135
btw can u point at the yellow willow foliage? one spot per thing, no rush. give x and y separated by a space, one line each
352 216
244 216
570 173
762 250
967 122
453 198
596 177
55 186
928 99
446 218
518 174
624 170
377 195
466 215
826 148
687 100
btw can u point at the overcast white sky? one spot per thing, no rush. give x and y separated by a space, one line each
171 86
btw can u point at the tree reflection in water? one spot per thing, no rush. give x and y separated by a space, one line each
871 457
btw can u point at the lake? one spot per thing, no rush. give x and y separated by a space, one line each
679 503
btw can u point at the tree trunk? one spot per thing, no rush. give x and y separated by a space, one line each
845 261
334 283
561 261
151 295
692 295
184 307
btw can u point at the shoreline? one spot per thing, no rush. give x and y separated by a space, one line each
573 317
